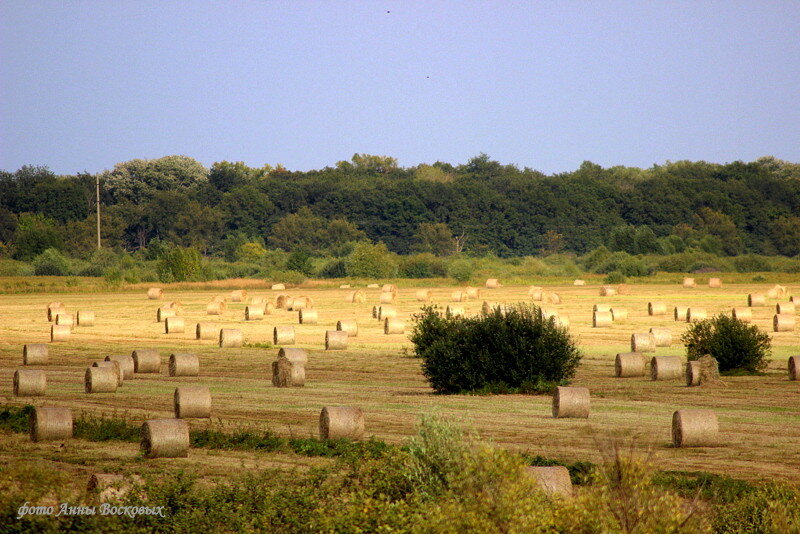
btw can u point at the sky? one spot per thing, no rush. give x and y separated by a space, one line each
545 85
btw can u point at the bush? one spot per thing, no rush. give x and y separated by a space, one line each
179 264
614 277
288 277
517 349
300 261
461 270
735 345
100 261
751 264
624 263
772 508
51 263
371 261
333 269
424 265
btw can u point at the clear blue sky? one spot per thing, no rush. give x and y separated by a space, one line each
84 85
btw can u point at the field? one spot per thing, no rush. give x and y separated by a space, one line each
759 415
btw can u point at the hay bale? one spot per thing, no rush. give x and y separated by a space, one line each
602 319
162 313
335 340
571 402
373 286
110 487
389 288
282 301
656 308
714 282
51 424
344 286
219 298
756 299
702 371
53 309
662 336
283 335
84 318
795 299
300 303
454 311
174 325
182 364
394 326
386 312
666 367
268 307
64 319
552 480
215 308
29 383
293 355
387 298
205 331
115 367
155 293
794 367
146 361
608 291
126 364
561 320
307 317
689 282
472 292
59 332
695 428
776 292
423 295
578 283
492 283
783 323
680 313
489 307
341 422
629 364
601 308
278 287
357 297
552 298
375 310
100 380
785 308
694 315
165 438
348 325
253 313
288 374
693 373
192 402
619 314
743 314
535 293
547 313
174 305
238 295
230 337
258 302
458 296
35 354
643 343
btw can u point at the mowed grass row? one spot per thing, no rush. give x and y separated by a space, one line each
759 416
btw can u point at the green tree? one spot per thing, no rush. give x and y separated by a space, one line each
138 179
35 234
785 235
371 261
226 176
623 239
645 241
435 238
369 164
311 232
721 226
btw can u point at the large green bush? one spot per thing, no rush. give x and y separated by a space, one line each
51 263
179 264
424 265
461 270
504 350
371 261
736 345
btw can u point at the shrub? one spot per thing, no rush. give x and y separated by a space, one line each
424 265
300 261
179 264
371 261
595 258
751 264
100 261
51 263
614 277
624 263
461 270
288 277
736 345
514 349
333 269
772 508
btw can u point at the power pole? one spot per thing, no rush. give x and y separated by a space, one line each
97 183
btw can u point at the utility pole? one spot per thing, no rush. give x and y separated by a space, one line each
97 183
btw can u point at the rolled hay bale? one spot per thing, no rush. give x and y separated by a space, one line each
64 319
782 308
714 282
561 320
51 424
394 326
341 422
288 374
358 297
783 323
258 302
794 367
283 335
183 364
336 340
238 295
472 292
146 361
205 331
458 296
230 337
535 293
174 305
579 283
680 313
100 380
29 383
278 287
115 367
695 428
253 313
301 303
756 299
162 313
619 314
666 367
795 299
281 301
552 298
656 308
602 319
174 325
608 291
423 295
268 307
547 313
126 364
386 312
629 364
776 292
643 343
375 310
689 282
192 402
704 370
215 308
692 373
743 314
110 487
348 325
307 317
454 311
492 283
52 311
662 336
59 332
389 288
293 354
344 286
165 438
35 354
219 298
552 480
387 298
55 304
571 402
155 293
84 318
694 315
601 308
373 286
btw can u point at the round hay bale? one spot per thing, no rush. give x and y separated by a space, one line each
776 292
258 302
375 310
205 331
55 304
386 312
174 325
387 298
602 319
336 340
782 308
689 282
282 301
662 336
215 308
146 361
561 320
268 307
472 292
357 297
51 424
300 303
253 313
110 487
548 313
182 364
238 295
571 402
373 286
492 283
394 326
29 383
230 337
287 374
694 315
454 311
714 282
783 323
293 355
59 332
552 480
115 367
84 318
100 380
693 373
192 402
54 309
601 308
278 287
666 367
126 364
619 314
155 293
283 335
307 317
794 367
219 298
35 354
535 293
756 299
348 325
458 296
552 298
174 305
389 288
629 364
608 291
578 283
489 307
795 299
680 313
162 313
695 428
656 308
423 295
704 370
341 422
165 438
643 343
743 314
64 319
344 286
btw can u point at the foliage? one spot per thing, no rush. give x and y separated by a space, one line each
371 261
35 234
51 263
300 261
424 265
179 264
614 277
771 508
461 270
335 268
735 344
